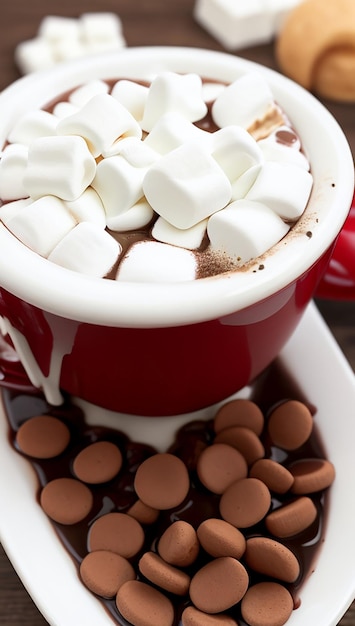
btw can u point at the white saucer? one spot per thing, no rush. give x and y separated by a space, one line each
326 380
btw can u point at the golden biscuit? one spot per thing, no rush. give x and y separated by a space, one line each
316 47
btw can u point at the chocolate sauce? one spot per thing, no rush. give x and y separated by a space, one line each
273 386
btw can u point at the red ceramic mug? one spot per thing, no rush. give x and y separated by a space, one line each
167 349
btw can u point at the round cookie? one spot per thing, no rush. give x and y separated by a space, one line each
315 47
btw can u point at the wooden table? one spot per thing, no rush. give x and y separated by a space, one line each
145 22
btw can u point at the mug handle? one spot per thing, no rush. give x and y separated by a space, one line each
338 282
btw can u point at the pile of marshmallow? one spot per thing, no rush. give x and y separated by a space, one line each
121 159
63 38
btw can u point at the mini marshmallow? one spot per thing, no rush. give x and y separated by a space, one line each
54 27
243 184
101 27
274 151
42 224
243 102
88 208
235 151
10 209
210 90
237 24
13 163
67 49
64 109
189 238
37 123
132 96
138 216
80 96
186 186
59 166
172 130
150 261
284 187
174 92
135 151
245 230
34 55
87 249
101 121
118 184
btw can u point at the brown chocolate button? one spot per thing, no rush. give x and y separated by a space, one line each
311 475
66 500
290 425
143 513
239 412
244 440
270 557
98 462
245 502
267 604
116 532
219 585
291 519
275 476
164 575
193 617
219 465
43 437
162 481
143 605
179 544
105 572
219 538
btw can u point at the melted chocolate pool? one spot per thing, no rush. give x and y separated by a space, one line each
273 386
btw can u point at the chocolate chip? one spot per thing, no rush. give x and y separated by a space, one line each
290 425
66 500
162 481
219 585
104 572
43 437
117 532
245 502
98 462
219 465
143 605
267 604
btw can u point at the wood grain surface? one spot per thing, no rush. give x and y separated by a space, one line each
145 22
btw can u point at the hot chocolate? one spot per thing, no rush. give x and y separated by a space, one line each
167 181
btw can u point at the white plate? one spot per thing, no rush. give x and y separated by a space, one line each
325 378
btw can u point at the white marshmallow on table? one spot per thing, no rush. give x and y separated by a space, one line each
151 261
189 238
119 185
34 55
13 163
105 27
235 151
243 102
81 95
237 23
10 209
172 130
186 185
42 224
37 123
132 96
59 166
101 121
174 92
135 151
284 187
245 230
88 208
136 217
87 249
55 27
